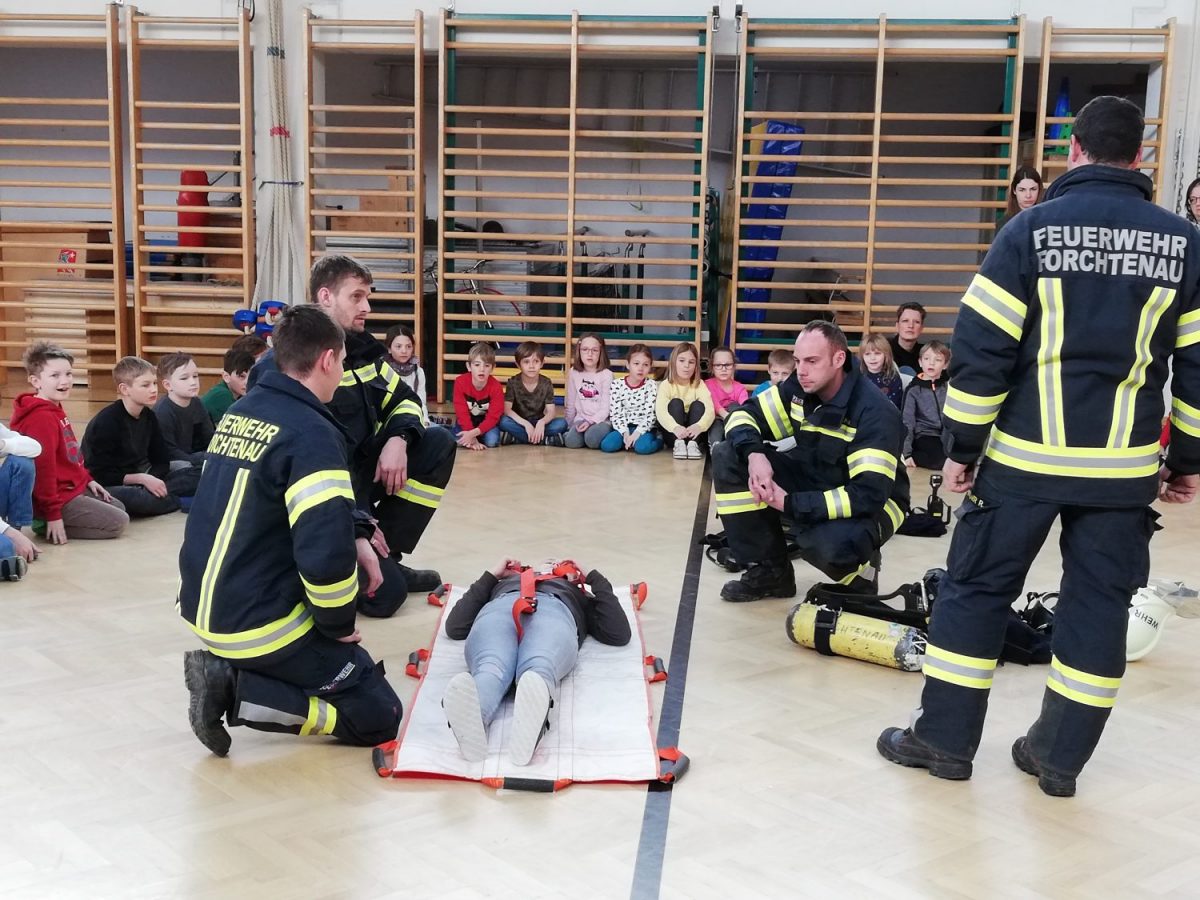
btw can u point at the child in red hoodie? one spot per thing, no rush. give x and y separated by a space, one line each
64 492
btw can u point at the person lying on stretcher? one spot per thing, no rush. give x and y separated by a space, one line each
525 625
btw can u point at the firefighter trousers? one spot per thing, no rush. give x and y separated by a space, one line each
326 687
405 515
843 549
1105 558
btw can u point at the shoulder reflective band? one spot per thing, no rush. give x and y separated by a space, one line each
955 668
260 641
220 546
1049 362
860 462
313 490
837 503
740 418
322 717
330 596
996 305
972 409
1185 417
1187 329
737 502
771 404
1121 431
1077 462
1082 687
348 380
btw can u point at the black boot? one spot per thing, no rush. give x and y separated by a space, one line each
210 681
1051 783
760 581
419 581
901 746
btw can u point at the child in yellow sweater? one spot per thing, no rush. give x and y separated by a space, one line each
684 405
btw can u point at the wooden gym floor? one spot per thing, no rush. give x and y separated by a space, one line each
106 793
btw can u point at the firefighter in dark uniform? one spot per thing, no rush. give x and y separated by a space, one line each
841 486
1061 355
269 568
399 467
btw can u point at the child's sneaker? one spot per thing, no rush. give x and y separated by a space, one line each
555 440
13 568
461 702
680 449
506 439
693 450
530 717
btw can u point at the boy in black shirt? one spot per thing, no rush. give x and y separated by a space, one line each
125 451
182 418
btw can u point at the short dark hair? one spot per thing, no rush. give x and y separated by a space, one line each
301 336
252 344
833 334
905 307
1110 130
237 362
40 353
173 362
526 349
329 272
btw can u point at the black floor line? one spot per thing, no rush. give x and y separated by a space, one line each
652 845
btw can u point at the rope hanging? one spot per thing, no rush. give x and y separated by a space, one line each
281 272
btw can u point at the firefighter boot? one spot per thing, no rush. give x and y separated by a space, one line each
760 581
1051 783
901 746
210 682
419 581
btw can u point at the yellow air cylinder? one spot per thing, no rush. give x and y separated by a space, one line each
857 637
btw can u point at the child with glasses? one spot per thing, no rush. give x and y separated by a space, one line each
726 392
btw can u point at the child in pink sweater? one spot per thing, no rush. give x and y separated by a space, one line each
726 392
589 383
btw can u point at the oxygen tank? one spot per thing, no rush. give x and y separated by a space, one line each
859 637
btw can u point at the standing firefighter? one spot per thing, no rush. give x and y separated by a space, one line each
270 561
841 485
1061 352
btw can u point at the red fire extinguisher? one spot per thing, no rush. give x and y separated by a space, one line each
192 178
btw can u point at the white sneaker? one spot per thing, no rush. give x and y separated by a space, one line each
530 711
693 450
461 702
680 448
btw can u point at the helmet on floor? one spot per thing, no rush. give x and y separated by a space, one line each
1148 614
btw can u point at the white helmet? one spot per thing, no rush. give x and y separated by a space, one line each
1148 614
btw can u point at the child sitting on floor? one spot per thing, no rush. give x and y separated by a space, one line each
401 343
878 367
632 407
780 365
587 398
235 370
555 614
529 410
924 400
478 400
125 450
182 418
65 495
17 453
684 406
726 392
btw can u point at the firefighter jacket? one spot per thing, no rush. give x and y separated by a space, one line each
268 552
848 449
372 404
1062 344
